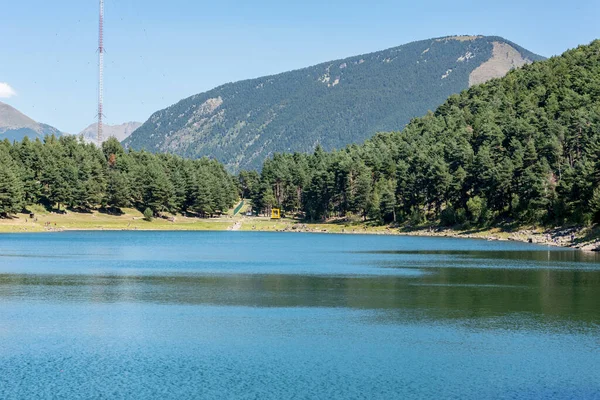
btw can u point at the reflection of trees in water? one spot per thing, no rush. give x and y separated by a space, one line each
551 255
443 294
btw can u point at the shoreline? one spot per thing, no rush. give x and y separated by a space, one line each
556 237
585 239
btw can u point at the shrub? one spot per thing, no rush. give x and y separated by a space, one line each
148 214
461 216
416 217
476 207
448 216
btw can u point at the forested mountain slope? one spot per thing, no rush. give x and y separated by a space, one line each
525 148
15 125
331 104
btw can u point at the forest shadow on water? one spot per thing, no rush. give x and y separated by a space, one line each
271 315
434 293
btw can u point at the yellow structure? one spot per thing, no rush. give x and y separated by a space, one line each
275 213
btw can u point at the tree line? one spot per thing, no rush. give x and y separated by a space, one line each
522 148
66 172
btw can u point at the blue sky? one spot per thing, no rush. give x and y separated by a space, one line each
159 52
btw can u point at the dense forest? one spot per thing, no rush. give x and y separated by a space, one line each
68 173
334 103
523 148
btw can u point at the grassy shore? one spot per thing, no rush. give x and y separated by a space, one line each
131 219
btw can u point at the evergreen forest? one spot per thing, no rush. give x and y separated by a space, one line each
524 148
333 104
66 172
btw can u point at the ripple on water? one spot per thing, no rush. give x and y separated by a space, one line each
244 315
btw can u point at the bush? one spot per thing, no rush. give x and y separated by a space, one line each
585 218
594 205
448 216
515 204
476 207
148 214
416 217
461 216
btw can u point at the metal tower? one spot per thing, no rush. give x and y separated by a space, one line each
100 70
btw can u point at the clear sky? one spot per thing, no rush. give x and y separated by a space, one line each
158 52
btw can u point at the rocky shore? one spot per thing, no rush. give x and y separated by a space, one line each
587 239
573 237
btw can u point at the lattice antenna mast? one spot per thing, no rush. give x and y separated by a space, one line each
100 70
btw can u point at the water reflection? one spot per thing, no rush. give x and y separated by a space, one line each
234 315
434 278
448 293
553 255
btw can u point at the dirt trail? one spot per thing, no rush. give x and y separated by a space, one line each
236 227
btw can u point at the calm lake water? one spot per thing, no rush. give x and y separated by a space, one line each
178 315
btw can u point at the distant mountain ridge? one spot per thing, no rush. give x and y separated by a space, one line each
333 104
14 125
120 132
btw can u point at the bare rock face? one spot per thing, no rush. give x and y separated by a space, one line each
460 38
504 58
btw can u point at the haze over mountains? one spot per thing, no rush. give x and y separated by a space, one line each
332 104
14 125
120 132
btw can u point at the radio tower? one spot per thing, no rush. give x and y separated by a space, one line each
100 70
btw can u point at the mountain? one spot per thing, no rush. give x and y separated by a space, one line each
121 132
523 149
15 125
332 104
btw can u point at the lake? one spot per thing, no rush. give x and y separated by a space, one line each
248 315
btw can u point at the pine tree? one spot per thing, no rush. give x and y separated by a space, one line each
11 187
117 190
